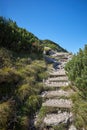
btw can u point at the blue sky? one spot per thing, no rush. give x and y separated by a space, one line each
62 21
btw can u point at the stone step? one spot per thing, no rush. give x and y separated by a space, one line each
58 73
55 119
56 84
58 103
57 93
61 78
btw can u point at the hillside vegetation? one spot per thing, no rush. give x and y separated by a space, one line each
22 70
20 87
18 39
77 73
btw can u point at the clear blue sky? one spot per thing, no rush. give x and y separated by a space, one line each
62 21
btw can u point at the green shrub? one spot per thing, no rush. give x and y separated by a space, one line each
23 123
33 103
80 111
6 113
60 127
24 92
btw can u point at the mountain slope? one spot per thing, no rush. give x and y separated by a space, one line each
20 40
22 70
53 45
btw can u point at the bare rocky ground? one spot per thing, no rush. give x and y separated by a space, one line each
57 98
55 119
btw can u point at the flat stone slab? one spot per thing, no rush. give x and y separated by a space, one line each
56 84
60 78
60 103
58 73
57 93
55 119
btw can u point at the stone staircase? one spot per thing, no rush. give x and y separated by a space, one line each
57 79
57 100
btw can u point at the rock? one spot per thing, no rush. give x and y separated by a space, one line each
55 119
72 127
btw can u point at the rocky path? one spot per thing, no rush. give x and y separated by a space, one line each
56 101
